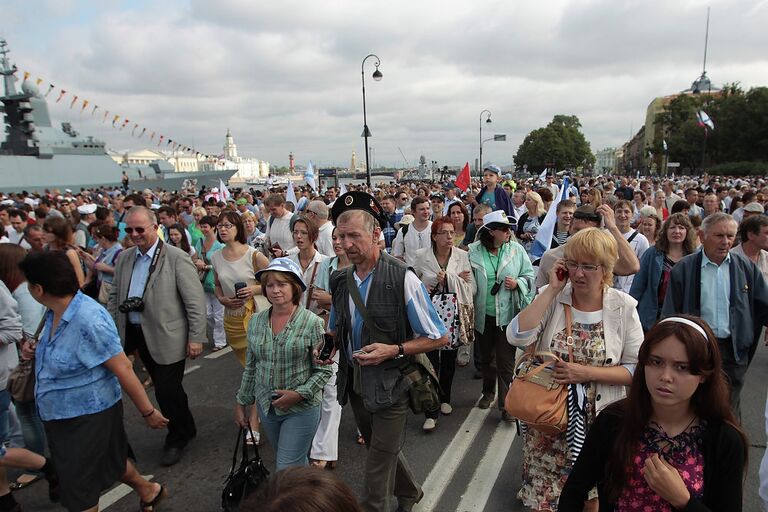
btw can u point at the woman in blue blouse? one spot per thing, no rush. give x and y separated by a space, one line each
80 367
281 374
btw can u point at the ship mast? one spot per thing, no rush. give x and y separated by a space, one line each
6 70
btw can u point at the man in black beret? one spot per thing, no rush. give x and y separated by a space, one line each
375 340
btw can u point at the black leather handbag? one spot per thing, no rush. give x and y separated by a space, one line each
247 478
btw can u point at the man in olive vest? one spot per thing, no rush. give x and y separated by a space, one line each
399 307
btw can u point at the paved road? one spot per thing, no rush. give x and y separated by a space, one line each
470 463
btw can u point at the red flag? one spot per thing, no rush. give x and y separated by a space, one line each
462 180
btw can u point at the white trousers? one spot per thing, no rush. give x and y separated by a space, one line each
214 312
325 445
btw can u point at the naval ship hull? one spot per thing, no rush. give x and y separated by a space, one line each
35 174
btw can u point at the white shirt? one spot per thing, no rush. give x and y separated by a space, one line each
639 244
324 241
279 232
406 247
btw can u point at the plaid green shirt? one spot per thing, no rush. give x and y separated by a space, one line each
283 361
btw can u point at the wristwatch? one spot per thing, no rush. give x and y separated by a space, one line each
400 351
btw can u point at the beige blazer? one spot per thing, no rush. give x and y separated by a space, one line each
174 311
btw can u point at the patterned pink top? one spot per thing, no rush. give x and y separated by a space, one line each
683 452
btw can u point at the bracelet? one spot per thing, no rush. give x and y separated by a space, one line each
150 413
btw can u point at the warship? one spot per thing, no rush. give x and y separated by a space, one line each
36 156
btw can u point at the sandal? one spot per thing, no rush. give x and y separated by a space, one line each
151 506
323 464
23 482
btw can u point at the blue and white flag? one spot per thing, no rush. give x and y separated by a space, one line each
547 228
543 174
290 194
309 176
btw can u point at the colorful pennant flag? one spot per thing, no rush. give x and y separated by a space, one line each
50 88
38 81
85 104
114 119
73 101
61 95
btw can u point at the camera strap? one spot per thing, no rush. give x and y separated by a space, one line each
152 267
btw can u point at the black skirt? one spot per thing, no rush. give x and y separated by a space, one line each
90 454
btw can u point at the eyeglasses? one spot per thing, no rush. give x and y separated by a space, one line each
572 266
139 231
226 226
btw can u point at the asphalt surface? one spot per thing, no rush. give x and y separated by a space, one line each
471 462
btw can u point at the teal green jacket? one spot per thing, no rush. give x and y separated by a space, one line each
514 263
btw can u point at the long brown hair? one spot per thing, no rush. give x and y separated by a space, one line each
710 402
679 219
10 273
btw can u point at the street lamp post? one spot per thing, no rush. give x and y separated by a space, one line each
366 132
488 120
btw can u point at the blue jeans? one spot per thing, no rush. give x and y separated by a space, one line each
5 428
31 427
291 435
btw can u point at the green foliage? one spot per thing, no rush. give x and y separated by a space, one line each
560 143
740 169
740 134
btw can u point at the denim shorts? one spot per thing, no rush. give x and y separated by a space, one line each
5 404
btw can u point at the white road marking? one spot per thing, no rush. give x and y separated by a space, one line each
121 491
191 369
215 355
448 463
489 469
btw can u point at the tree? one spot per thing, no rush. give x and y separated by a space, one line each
560 144
740 134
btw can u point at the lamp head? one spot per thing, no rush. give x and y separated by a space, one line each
488 120
377 75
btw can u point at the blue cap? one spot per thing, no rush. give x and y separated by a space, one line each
286 265
493 168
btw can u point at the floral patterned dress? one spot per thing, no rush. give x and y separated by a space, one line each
682 451
547 460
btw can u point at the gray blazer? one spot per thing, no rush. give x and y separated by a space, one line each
174 312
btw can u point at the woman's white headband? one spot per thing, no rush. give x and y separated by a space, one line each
687 322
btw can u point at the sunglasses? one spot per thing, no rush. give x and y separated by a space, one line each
139 231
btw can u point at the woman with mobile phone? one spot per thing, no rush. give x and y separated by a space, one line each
236 262
579 312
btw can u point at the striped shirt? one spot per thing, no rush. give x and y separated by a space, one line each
283 361
421 314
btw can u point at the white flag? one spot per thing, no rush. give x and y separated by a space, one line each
223 191
664 144
342 189
309 176
543 174
704 120
547 228
290 194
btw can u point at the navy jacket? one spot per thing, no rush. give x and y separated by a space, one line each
503 202
645 287
748 299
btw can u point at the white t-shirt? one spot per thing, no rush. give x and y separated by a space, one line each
639 244
406 247
324 242
279 232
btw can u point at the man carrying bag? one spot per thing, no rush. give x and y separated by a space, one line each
383 321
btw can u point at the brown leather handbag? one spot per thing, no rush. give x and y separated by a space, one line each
534 397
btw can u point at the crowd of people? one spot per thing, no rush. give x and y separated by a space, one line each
650 293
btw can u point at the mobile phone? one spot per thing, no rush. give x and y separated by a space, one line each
275 395
562 274
275 246
328 345
496 287
239 286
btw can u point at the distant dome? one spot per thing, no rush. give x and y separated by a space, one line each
29 87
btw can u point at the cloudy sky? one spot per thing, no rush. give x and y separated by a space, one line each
285 75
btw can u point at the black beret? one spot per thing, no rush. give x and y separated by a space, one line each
359 201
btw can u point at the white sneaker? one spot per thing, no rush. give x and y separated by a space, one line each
446 409
429 425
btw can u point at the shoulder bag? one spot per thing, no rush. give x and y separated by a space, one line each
247 478
21 381
424 392
534 397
